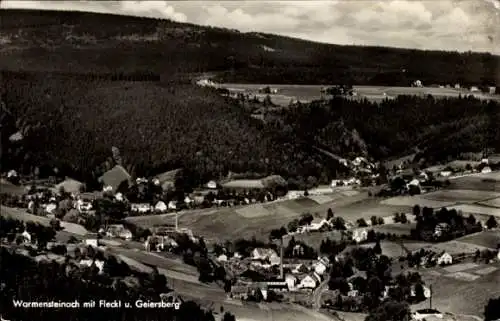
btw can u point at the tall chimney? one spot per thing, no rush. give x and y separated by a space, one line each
281 259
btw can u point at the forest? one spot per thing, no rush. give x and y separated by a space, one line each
91 42
438 128
72 124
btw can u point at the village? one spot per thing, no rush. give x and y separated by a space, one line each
334 276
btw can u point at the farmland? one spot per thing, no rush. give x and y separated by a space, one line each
465 291
307 93
462 196
489 239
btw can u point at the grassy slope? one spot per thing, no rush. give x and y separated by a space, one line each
48 40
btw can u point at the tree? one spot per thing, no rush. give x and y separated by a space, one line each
329 214
361 222
374 220
339 223
419 292
293 225
390 311
397 218
492 309
377 248
471 220
228 317
491 222
339 283
403 218
416 211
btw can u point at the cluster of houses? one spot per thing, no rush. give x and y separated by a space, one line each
361 167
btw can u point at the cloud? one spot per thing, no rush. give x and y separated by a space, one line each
445 24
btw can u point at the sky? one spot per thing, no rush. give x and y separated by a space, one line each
429 24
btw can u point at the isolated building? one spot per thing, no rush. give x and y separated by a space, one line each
444 259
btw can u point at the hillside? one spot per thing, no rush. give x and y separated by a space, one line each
96 43
73 124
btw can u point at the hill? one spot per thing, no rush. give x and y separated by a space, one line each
95 43
73 124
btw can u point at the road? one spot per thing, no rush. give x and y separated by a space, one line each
316 297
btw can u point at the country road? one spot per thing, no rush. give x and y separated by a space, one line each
316 297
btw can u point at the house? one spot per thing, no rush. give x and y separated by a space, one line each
417 83
498 256
291 281
492 90
161 207
274 259
318 225
440 229
140 207
83 206
92 242
50 208
261 254
119 231
445 173
426 313
310 281
172 205
427 291
457 86
115 179
423 177
486 170
70 185
26 236
212 185
300 269
474 89
167 179
98 263
360 235
222 258
188 200
444 259
320 268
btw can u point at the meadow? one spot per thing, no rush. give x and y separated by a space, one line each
488 239
307 93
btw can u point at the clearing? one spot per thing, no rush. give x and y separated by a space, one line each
462 196
410 201
487 239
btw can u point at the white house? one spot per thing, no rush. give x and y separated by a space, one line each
172 205
498 256
291 281
311 281
301 268
222 258
360 235
98 263
83 206
440 228
474 89
188 200
427 313
444 259
212 185
161 206
457 86
118 230
27 236
274 259
263 254
417 83
445 173
486 170
413 182
107 188
50 208
427 291
320 268
140 207
92 242
119 197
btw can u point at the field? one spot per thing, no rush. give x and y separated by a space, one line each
9 188
489 239
462 196
306 93
410 201
476 209
463 292
396 228
479 182
492 203
455 247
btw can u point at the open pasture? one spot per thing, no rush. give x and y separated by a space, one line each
410 201
395 228
455 247
460 267
390 249
487 239
460 195
478 182
491 203
477 209
459 295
